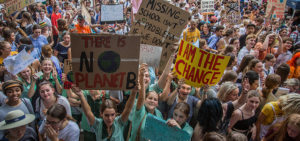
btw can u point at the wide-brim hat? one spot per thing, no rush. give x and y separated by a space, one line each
15 119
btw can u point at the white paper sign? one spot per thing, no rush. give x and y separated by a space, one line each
17 63
207 6
110 13
150 55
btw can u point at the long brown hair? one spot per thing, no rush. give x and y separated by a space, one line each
281 134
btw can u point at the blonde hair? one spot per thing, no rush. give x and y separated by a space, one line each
290 103
225 90
236 136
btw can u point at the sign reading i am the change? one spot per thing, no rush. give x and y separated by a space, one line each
15 5
199 67
105 61
112 13
233 14
279 8
160 24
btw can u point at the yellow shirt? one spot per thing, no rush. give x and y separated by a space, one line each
11 54
191 36
269 114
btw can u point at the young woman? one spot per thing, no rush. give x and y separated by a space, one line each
272 82
28 87
275 112
235 42
47 52
10 37
269 62
288 130
244 118
257 66
205 33
228 92
180 115
49 97
13 90
62 48
47 33
242 66
38 41
214 116
109 126
58 125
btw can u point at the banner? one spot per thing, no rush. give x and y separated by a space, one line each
150 55
85 13
12 6
233 14
279 8
157 130
105 61
207 7
160 24
199 67
17 63
112 13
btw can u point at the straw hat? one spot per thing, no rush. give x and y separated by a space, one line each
15 119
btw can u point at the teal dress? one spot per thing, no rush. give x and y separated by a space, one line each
139 120
99 127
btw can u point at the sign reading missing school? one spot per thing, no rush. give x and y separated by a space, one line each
199 67
159 24
105 61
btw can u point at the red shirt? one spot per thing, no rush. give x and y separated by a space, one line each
54 18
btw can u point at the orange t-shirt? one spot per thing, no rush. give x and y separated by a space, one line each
294 72
82 29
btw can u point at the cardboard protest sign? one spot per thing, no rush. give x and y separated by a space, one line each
2 1
157 130
85 13
269 17
233 14
279 10
150 55
67 66
112 13
160 24
12 6
105 61
207 7
199 67
17 63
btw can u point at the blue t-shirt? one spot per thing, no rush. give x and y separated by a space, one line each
38 43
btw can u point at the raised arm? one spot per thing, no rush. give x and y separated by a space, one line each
280 48
128 106
164 95
163 78
242 99
141 98
85 106
266 43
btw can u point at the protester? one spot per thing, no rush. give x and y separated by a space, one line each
15 126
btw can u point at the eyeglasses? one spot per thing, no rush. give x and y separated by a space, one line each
52 122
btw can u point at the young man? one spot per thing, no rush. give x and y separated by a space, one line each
192 34
250 30
250 42
214 39
286 55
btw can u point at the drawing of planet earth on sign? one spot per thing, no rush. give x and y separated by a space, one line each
109 61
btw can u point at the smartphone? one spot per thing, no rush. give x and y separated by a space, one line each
39 74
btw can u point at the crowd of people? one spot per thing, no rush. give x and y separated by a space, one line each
258 97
